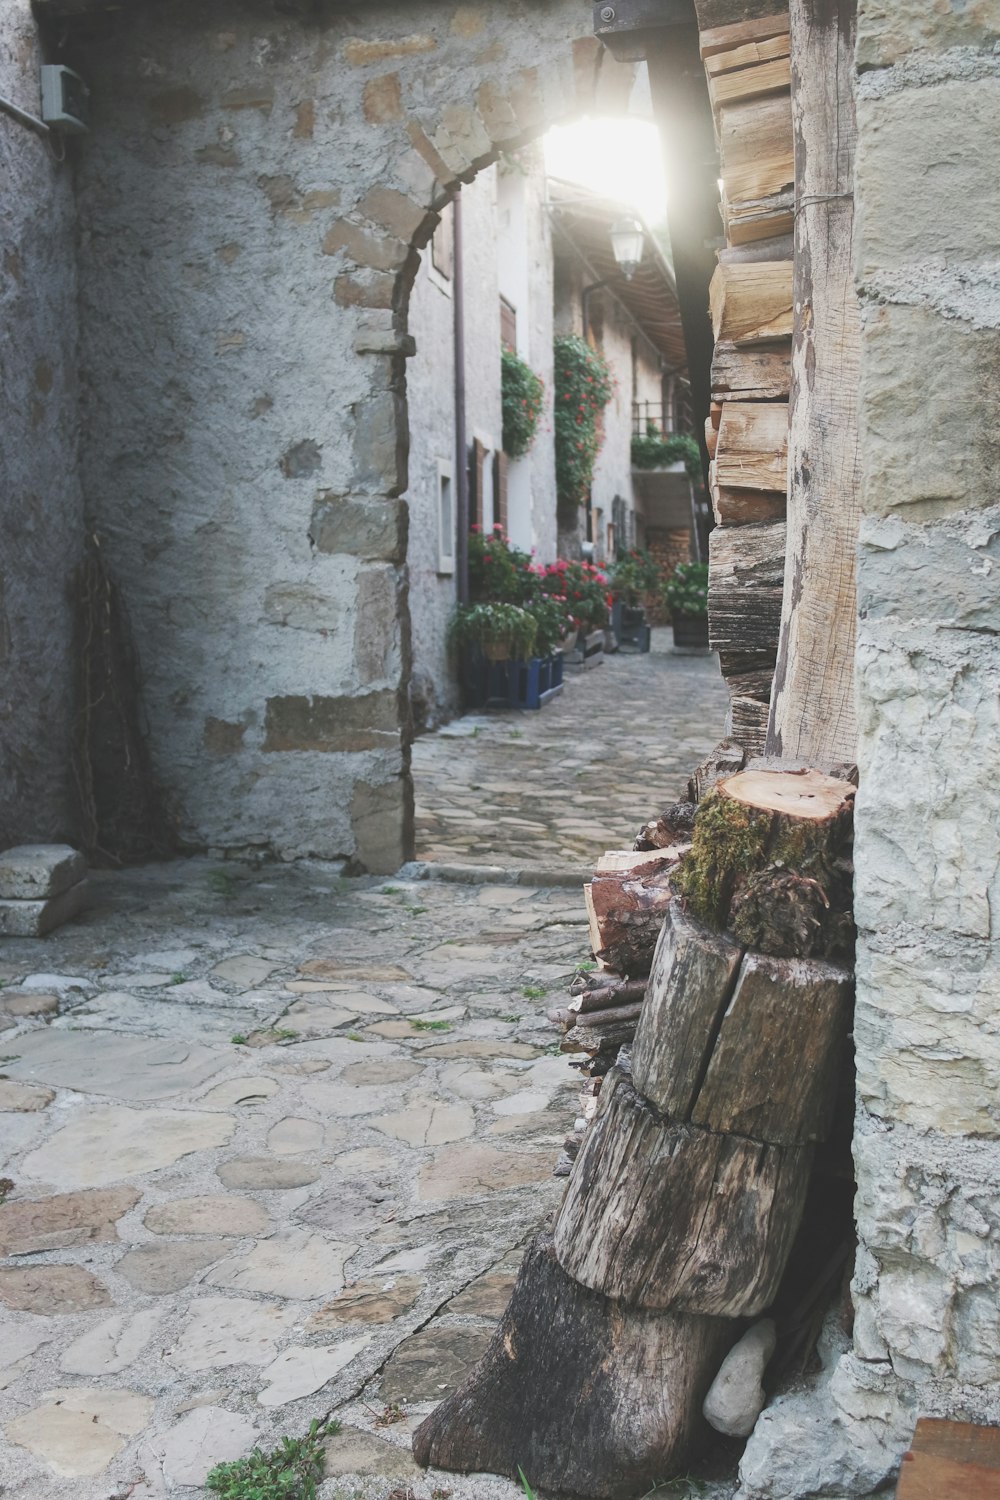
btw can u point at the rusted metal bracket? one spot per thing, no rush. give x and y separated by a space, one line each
628 27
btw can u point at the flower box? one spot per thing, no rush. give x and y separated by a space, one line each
629 625
512 684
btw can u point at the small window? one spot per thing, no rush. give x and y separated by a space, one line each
446 518
443 244
508 325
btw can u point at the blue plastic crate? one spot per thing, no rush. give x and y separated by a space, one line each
512 684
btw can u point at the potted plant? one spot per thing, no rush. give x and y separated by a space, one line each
686 594
652 450
497 631
633 577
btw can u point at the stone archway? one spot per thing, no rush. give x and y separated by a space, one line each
249 202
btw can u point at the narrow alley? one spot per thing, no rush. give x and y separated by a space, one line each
278 1137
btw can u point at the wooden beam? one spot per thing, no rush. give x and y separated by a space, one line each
748 55
751 374
747 571
751 83
812 711
753 446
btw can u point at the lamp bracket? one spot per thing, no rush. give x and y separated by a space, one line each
628 27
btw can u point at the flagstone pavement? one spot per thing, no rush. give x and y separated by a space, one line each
275 1139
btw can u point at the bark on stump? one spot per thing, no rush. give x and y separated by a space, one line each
586 1396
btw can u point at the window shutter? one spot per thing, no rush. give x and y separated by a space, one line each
500 487
508 325
476 487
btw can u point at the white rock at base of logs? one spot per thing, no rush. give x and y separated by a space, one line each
736 1397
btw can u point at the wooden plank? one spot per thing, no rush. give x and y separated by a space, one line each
925 1477
751 83
663 1216
691 982
753 446
813 712
772 1073
964 1442
746 578
717 39
751 374
583 1394
748 55
752 303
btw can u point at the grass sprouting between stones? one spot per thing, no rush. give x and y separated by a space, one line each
429 1025
292 1471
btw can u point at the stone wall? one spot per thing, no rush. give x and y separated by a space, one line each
40 506
927 1315
249 197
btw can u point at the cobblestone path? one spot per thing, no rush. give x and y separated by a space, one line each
546 790
275 1139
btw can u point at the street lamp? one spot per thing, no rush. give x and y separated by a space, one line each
628 240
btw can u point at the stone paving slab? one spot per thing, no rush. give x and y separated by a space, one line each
277 1139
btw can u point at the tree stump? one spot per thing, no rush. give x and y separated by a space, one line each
770 861
667 1216
586 1396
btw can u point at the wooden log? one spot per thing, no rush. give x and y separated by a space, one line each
586 1396
748 719
615 1015
813 712
748 54
725 760
753 446
779 247
769 76
746 577
599 1041
772 1073
751 374
751 303
716 39
754 831
711 436
626 912
600 997
692 981
756 148
671 830
744 507
666 1216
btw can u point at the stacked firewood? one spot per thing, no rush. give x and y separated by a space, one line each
686 1196
751 304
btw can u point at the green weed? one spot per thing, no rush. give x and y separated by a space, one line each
7 1186
178 979
391 890
429 1025
354 1036
525 1485
512 1020
222 882
415 911
292 1471
238 1039
533 992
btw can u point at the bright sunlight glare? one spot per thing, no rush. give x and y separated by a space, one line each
620 159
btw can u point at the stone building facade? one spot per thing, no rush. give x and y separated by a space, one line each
205 342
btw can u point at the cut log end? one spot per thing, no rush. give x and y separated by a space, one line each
798 794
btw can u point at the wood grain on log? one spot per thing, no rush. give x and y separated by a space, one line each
753 446
755 82
667 1216
725 760
751 374
740 33
746 572
586 1396
756 144
772 1073
813 711
748 54
748 720
752 303
744 507
692 981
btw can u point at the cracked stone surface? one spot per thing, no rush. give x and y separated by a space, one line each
227 1241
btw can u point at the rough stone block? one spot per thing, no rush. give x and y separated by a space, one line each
31 872
466 128
382 820
36 918
930 409
921 188
369 289
928 1033
368 722
372 529
393 209
382 100
361 52
376 626
889 29
948 572
928 811
381 444
381 252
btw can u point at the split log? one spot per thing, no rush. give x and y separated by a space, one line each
748 718
625 910
725 760
693 977
586 1396
716 39
748 54
744 507
614 1016
753 446
605 996
751 374
751 303
749 673
672 829
758 169
599 1041
813 711
668 1216
746 579
771 76
773 1070
769 860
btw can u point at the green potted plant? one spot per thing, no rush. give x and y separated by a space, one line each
653 450
499 632
686 594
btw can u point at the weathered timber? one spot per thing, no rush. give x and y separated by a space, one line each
753 446
751 374
691 983
744 507
757 153
746 576
748 54
667 1216
748 718
738 666
745 678
752 303
772 1073
586 1396
711 438
671 830
739 33
615 1015
750 219
778 247
599 1041
813 711
597 997
726 760
755 82
754 831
